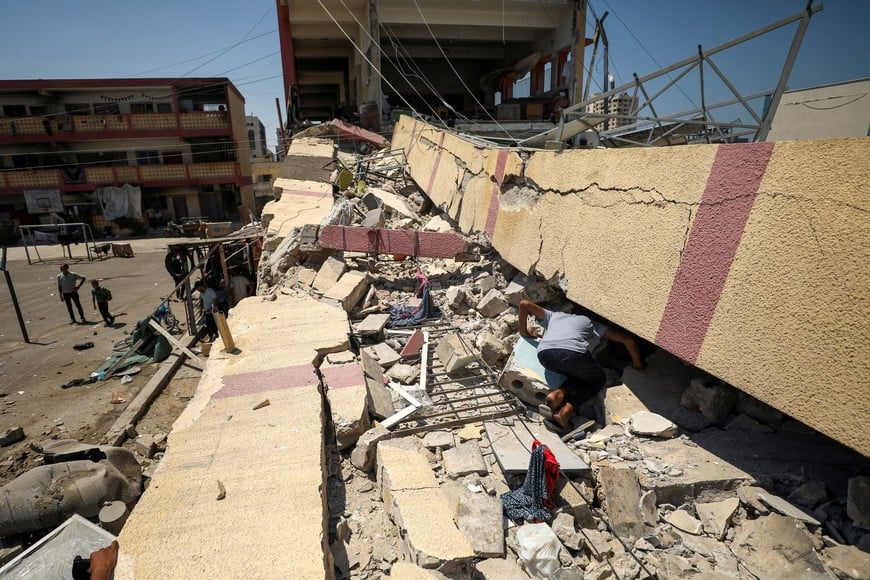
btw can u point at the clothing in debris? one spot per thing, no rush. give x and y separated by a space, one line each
530 502
401 315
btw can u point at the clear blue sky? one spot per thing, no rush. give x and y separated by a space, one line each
172 38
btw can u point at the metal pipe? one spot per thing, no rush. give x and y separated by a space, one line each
13 296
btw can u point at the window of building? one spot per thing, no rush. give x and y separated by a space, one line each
147 158
164 107
141 108
14 111
37 110
78 108
548 76
497 99
252 141
523 86
266 178
107 109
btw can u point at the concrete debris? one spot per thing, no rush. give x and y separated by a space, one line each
464 459
715 402
776 546
716 516
858 501
651 425
637 498
621 499
454 353
12 435
492 304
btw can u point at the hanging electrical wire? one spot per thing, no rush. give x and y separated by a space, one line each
458 76
232 46
362 54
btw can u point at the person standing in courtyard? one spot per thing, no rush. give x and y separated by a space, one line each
208 297
101 297
564 348
68 284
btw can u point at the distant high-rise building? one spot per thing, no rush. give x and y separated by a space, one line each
622 105
257 139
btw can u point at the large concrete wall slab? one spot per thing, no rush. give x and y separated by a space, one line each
750 261
268 459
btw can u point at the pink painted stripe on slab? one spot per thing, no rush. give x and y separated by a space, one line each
350 375
268 380
410 142
302 192
434 173
406 242
492 212
713 240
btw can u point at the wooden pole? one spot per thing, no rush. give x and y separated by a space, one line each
224 331
177 344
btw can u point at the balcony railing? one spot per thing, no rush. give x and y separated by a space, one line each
96 176
90 124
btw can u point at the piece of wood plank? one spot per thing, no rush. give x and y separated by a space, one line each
175 342
512 446
583 427
405 394
118 362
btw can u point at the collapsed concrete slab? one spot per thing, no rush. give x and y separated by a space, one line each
348 401
301 202
395 242
776 546
220 430
308 159
422 513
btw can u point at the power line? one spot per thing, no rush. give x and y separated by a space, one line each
461 80
232 46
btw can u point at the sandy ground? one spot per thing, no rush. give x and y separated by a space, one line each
31 374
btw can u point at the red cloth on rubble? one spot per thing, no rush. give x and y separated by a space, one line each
551 473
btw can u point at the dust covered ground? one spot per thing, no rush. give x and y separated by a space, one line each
31 374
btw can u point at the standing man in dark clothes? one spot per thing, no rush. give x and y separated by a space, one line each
175 265
68 284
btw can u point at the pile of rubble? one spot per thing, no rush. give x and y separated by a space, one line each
682 476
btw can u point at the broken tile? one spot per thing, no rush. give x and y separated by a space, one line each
683 520
651 425
373 325
780 505
621 498
499 569
479 517
464 459
442 439
716 516
384 354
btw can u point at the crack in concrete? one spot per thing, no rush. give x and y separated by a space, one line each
686 233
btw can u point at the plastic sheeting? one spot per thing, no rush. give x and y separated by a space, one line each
121 201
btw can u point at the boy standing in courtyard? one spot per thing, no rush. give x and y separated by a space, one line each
101 297
68 284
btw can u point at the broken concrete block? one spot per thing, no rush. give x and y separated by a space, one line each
380 399
780 505
348 401
145 446
714 402
453 352
329 273
749 496
563 527
570 498
12 435
374 219
716 516
516 290
383 353
651 425
858 501
776 546
435 439
420 511
621 498
485 283
408 571
405 374
683 520
525 377
373 325
437 224
455 296
492 304
498 569
464 459
479 517
305 276
349 289
759 411
492 349
363 455
690 419
648 508
809 494
848 562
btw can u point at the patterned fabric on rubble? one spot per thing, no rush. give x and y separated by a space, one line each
526 503
402 315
